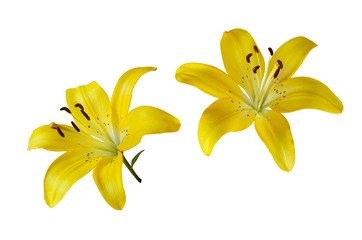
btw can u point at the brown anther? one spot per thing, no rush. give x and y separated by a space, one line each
277 72
280 63
256 68
79 105
256 49
85 114
248 57
60 132
75 126
271 51
65 109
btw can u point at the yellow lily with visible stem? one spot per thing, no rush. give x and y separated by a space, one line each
263 95
102 130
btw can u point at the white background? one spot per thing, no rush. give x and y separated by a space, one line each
238 192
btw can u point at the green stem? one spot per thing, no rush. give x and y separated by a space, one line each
130 168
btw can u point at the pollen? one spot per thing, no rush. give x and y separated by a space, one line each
256 68
248 57
85 114
75 126
53 125
277 72
60 132
65 109
79 105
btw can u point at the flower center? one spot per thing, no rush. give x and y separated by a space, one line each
101 131
263 86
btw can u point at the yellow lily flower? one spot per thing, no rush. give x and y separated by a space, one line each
263 95
102 130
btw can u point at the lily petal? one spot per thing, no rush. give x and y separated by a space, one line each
274 131
50 139
210 80
65 171
145 120
235 46
223 116
122 94
108 177
303 93
91 116
292 54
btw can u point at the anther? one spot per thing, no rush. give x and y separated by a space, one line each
75 126
65 109
85 114
280 63
60 132
271 51
256 69
256 49
79 105
276 72
248 57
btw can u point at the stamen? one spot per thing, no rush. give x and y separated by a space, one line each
276 72
79 105
60 132
256 49
248 57
256 69
85 114
271 51
280 63
75 126
65 109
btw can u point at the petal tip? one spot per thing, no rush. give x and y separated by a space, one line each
313 44
340 108
288 169
177 124
207 150
50 204
180 70
118 207
30 146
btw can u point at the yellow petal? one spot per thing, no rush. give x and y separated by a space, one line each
95 119
65 171
145 120
48 137
235 46
210 80
291 54
274 131
122 94
223 116
108 177
302 93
